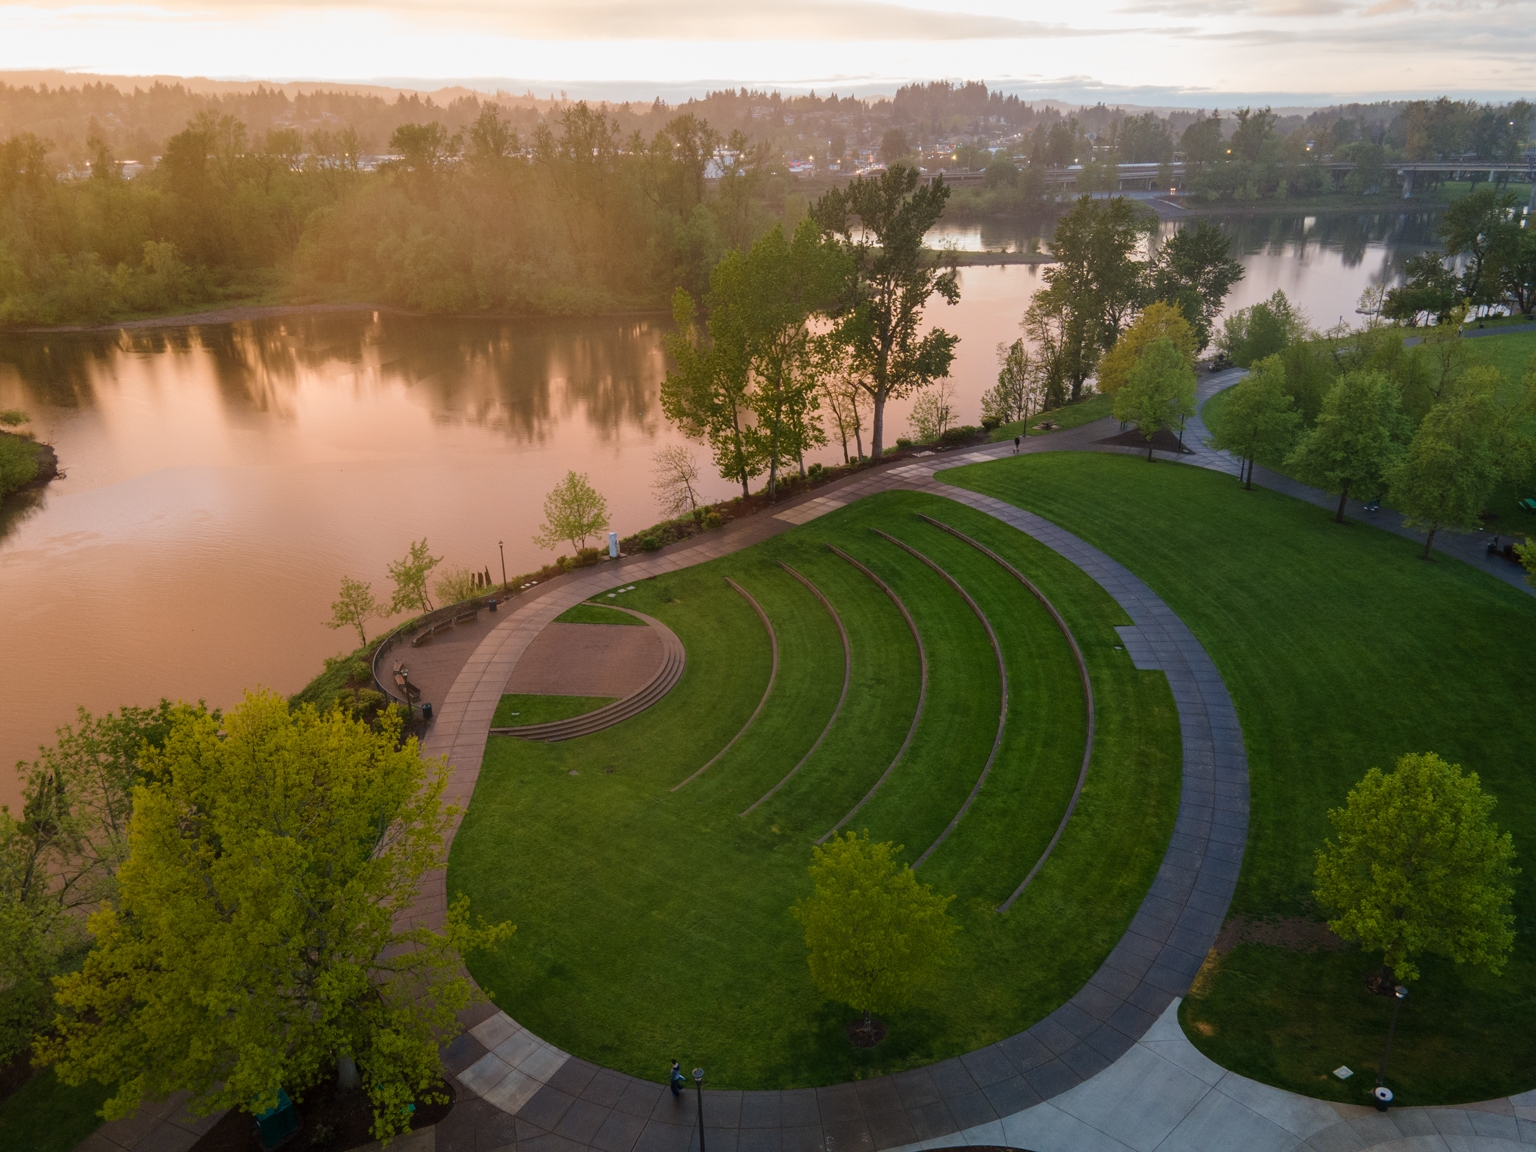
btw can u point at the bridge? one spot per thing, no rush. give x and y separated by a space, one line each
1151 177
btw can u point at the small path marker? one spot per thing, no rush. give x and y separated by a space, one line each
1343 1072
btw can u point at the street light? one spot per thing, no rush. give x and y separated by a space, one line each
698 1082
1383 1094
503 552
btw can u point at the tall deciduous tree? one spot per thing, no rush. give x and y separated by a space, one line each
1261 330
1019 386
707 396
1158 320
354 607
574 511
877 937
1354 443
410 576
1195 270
1259 417
880 222
1417 865
255 942
675 481
1474 226
1159 390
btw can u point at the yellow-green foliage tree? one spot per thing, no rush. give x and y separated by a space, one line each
1158 320
1159 390
1260 416
1418 866
255 941
574 511
877 937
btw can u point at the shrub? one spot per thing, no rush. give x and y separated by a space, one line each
903 442
961 435
712 519
454 585
991 423
586 557
650 541
18 462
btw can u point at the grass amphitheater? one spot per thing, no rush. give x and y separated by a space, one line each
871 670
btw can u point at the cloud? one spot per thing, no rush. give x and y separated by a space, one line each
1213 8
1389 7
673 20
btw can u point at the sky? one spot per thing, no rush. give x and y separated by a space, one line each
1154 52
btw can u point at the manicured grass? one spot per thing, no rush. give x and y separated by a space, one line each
1342 651
44 1115
596 614
518 710
1085 411
655 924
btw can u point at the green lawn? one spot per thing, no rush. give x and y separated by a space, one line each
1342 651
591 613
44 1115
518 710
1085 411
655 924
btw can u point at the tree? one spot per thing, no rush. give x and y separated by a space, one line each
1259 417
1418 866
676 482
59 860
574 511
1095 285
933 414
877 937
354 607
893 146
1194 269
1451 467
1428 294
410 576
14 417
1517 268
1473 226
892 279
1353 444
1159 390
1261 330
257 939
1158 320
1018 388
707 396
842 390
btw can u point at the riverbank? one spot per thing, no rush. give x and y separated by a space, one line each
25 463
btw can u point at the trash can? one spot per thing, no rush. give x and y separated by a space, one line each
277 1123
426 711
1383 1096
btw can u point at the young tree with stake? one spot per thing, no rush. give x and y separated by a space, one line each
410 576
354 608
1259 418
1353 444
574 511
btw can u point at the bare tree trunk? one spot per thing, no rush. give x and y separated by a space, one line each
1430 541
347 1078
1343 496
877 432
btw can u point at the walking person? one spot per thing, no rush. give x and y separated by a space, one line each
1016 441
679 1081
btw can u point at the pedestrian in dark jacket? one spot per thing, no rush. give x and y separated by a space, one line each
678 1080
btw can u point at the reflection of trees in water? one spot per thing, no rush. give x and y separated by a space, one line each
1351 234
19 507
58 370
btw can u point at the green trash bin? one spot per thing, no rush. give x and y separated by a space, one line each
278 1122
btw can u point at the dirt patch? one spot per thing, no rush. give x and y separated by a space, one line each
587 660
1293 934
861 1037
328 1121
1162 440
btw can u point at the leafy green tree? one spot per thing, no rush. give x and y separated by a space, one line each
706 397
1456 458
880 222
574 511
1096 284
1195 270
1158 320
1418 867
354 607
1474 226
256 940
1159 390
894 147
1517 268
1017 390
59 859
877 937
933 414
410 576
1259 418
1354 443
1261 330
1429 292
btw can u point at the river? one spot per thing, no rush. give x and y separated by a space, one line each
220 480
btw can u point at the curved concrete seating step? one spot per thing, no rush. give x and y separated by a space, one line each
673 661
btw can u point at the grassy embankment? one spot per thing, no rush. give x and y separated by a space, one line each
1085 411
654 923
1341 652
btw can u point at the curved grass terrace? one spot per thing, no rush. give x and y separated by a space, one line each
1342 651
654 923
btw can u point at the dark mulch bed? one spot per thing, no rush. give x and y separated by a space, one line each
15 1072
1162 440
328 1122
861 1037
1292 933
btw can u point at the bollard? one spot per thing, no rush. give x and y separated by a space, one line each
613 545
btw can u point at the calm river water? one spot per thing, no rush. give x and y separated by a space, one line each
222 479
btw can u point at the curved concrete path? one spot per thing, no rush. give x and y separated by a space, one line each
555 1101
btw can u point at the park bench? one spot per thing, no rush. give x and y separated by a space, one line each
407 689
1529 503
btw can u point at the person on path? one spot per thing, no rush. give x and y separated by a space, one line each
678 1080
1016 441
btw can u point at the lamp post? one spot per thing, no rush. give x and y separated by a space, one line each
1383 1094
698 1083
500 548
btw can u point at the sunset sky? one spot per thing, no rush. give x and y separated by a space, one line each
1146 51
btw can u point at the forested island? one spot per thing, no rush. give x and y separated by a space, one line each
165 199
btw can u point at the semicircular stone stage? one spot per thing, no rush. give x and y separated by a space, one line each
536 1095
